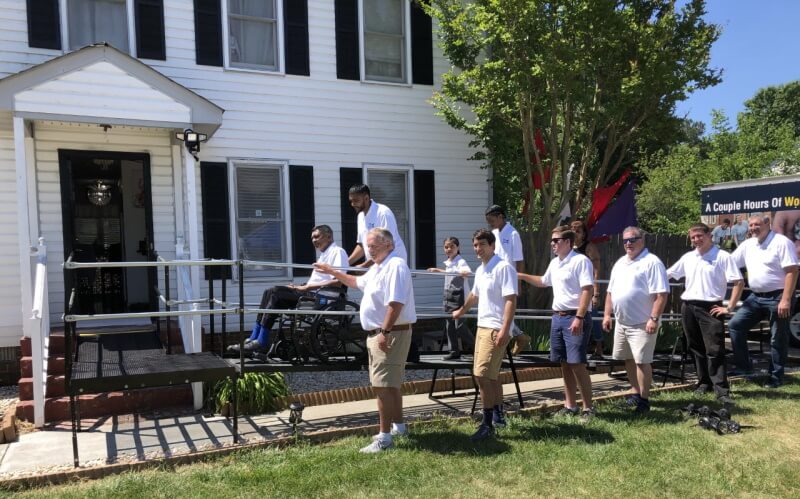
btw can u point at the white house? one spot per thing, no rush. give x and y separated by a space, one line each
300 99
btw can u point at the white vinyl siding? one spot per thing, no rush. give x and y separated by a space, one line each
10 300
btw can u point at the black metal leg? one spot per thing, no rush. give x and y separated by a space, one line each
224 316
452 381
211 316
235 410
73 414
167 308
669 364
514 375
433 383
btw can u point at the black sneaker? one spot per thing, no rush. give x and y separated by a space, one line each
633 400
235 347
772 384
452 356
642 407
484 432
702 389
725 400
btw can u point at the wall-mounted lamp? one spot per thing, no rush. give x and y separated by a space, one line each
192 140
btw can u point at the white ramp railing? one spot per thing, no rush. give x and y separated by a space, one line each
40 339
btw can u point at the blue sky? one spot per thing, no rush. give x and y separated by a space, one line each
759 47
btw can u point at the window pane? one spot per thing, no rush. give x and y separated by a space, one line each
383 16
255 8
253 31
384 56
94 21
390 188
259 217
384 40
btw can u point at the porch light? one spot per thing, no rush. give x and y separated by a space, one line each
192 140
99 193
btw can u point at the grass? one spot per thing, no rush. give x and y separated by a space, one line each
615 455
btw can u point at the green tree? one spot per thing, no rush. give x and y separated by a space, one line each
597 77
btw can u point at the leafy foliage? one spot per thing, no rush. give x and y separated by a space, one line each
256 392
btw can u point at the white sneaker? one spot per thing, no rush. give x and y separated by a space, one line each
377 446
394 433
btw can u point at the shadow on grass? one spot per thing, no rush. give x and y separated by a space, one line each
451 442
562 431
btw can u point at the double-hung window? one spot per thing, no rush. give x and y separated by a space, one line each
391 185
254 34
94 21
385 40
260 208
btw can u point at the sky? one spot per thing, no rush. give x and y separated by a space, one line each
759 47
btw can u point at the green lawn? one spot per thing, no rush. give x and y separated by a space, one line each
614 455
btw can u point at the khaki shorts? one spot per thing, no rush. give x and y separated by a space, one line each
633 342
488 357
387 370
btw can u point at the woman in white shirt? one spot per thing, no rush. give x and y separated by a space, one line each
456 288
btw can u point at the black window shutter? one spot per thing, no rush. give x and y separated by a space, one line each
44 24
421 46
150 42
301 197
348 177
425 218
216 216
295 34
347 55
208 32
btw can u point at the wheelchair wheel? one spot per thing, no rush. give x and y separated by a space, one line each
328 331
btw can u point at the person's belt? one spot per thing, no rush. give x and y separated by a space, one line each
769 294
396 327
703 304
564 313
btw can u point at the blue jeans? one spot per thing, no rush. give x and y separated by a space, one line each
566 347
753 310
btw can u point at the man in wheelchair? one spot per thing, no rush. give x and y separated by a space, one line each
320 287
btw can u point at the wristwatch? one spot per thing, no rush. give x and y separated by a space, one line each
384 331
654 318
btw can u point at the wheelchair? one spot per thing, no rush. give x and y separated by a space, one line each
303 337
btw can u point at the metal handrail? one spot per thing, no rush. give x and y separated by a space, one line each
70 264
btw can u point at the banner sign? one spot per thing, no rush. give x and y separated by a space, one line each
777 196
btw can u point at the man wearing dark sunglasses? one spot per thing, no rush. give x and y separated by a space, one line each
571 276
637 294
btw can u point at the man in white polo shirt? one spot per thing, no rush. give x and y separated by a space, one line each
508 246
637 293
707 269
495 291
387 313
372 214
571 276
771 263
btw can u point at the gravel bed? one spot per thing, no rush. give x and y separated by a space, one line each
8 398
334 380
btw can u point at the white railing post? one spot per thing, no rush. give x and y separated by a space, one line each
40 337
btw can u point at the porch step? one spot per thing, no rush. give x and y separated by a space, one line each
111 403
55 366
56 346
55 387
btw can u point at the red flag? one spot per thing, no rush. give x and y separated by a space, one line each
538 142
602 196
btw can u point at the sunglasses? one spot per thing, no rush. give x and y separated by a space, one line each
555 240
631 240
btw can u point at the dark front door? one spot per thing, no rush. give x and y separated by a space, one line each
107 214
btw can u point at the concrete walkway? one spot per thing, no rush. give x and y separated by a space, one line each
138 438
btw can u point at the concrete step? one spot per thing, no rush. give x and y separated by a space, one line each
111 403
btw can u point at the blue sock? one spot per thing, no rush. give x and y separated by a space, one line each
487 417
263 336
256 332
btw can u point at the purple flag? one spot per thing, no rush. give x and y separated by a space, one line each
619 215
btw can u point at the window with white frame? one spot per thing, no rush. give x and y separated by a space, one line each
390 186
94 21
385 40
260 210
253 34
